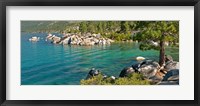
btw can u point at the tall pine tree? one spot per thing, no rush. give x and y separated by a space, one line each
160 32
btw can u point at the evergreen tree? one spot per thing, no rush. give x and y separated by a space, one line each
157 31
100 27
91 27
83 27
125 28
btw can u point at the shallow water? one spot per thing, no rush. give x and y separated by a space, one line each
43 63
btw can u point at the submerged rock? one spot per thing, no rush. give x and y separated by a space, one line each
139 58
34 39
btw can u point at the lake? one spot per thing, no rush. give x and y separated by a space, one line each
44 63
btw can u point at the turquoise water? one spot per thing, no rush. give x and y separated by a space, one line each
43 63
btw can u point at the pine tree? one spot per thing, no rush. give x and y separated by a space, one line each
157 31
83 27
125 28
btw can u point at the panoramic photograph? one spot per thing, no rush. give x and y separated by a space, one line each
85 52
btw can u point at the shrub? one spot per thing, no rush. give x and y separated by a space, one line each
96 80
133 79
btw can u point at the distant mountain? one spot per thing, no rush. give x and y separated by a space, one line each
45 26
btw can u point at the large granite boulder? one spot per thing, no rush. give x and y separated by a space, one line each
66 41
49 36
171 78
56 39
168 83
148 68
170 65
136 66
158 77
126 72
172 75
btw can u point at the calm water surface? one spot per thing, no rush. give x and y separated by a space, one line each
43 63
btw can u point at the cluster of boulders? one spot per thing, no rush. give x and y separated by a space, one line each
168 74
87 39
34 39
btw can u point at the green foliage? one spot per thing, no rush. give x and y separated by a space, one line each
100 27
167 31
147 46
125 27
134 79
160 32
83 27
116 30
119 36
97 80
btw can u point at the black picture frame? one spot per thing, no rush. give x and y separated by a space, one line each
4 3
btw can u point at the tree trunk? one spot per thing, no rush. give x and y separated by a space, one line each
162 52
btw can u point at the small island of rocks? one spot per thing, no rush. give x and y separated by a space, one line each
87 39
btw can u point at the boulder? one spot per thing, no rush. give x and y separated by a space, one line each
126 72
136 66
56 39
170 65
34 39
140 58
93 72
49 35
173 78
108 42
96 40
157 78
168 83
98 35
82 43
105 76
168 58
172 75
113 77
94 35
66 41
148 68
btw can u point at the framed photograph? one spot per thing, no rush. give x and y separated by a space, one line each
72 52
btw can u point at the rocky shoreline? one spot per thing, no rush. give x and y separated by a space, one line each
168 74
87 39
